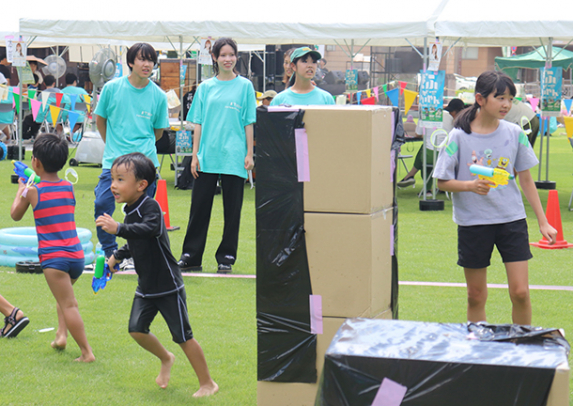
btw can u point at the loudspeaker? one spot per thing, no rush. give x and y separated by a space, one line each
334 77
13 152
393 65
363 77
410 62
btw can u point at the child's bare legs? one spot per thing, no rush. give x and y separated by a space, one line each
476 280
61 339
6 309
195 355
152 344
518 281
69 317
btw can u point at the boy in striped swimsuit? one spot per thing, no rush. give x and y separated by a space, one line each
59 248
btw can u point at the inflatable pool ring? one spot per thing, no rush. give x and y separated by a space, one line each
3 151
21 244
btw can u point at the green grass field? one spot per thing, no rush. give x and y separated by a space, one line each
223 310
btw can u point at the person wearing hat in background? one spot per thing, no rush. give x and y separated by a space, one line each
267 97
301 90
450 113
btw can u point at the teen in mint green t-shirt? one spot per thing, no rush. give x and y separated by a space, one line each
302 91
223 110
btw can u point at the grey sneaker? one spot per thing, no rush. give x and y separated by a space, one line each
127 265
224 268
407 182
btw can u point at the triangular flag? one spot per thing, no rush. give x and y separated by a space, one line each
376 93
16 90
31 95
567 103
54 112
534 101
17 102
45 97
409 97
358 97
59 99
369 100
88 99
334 97
518 98
258 94
368 93
402 87
35 108
568 126
385 88
73 99
72 119
393 96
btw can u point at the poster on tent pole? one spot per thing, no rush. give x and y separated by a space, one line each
551 81
431 98
16 50
205 52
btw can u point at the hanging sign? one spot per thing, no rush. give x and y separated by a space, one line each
551 81
351 79
435 53
431 98
205 52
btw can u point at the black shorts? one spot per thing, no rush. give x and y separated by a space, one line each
475 243
172 307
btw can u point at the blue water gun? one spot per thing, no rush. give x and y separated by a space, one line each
22 170
102 274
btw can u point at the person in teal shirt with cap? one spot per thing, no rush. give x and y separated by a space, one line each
302 91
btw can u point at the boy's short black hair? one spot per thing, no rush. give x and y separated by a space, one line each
141 166
147 53
71 78
49 80
51 151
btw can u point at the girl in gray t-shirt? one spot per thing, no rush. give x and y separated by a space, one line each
490 212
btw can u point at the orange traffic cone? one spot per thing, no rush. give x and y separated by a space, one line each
161 197
553 214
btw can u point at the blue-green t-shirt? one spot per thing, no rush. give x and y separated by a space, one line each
79 91
223 109
132 116
316 96
8 116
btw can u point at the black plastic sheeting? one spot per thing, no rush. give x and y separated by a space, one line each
286 348
440 364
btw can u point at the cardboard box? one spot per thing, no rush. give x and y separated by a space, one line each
303 394
349 258
349 159
442 364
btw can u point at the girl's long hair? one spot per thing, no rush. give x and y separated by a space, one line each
216 51
488 82
287 55
293 77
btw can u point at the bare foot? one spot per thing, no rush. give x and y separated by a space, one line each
165 373
87 358
59 344
207 390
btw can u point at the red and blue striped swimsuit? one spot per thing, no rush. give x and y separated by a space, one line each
55 225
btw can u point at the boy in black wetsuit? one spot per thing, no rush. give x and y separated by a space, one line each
160 287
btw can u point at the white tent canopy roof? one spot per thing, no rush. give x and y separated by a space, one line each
505 23
371 22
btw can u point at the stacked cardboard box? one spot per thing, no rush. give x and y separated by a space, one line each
348 221
170 76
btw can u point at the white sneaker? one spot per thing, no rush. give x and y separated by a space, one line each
127 265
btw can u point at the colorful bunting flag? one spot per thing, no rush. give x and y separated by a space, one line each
368 93
35 107
54 112
402 87
568 126
376 89
72 119
45 97
59 99
369 100
567 103
534 101
358 97
17 102
393 96
409 97
31 95
73 99
385 88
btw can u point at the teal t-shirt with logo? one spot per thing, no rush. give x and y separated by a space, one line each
132 116
316 96
223 109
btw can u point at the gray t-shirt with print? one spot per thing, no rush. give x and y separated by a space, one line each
506 148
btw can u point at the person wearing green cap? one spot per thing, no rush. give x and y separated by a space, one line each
301 90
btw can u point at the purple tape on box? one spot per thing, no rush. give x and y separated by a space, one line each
302 164
390 393
392 165
273 109
315 314
392 240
